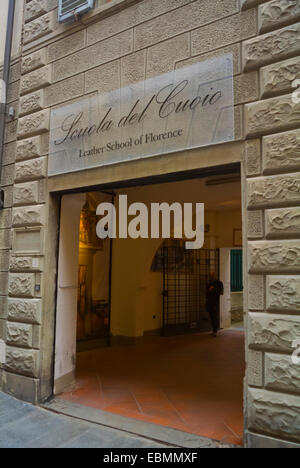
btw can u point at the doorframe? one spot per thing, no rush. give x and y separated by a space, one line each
224 169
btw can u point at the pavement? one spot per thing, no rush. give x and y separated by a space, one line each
23 425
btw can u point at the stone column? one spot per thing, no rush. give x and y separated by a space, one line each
271 204
28 219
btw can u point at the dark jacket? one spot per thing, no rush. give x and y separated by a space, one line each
214 290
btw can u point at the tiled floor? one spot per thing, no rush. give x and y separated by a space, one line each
191 383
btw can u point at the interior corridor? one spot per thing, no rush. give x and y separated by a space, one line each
193 383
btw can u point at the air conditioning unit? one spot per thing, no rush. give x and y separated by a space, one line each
69 10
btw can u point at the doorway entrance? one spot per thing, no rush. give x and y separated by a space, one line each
138 341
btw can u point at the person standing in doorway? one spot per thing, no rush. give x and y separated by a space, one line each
214 290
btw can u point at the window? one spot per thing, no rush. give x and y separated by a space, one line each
69 9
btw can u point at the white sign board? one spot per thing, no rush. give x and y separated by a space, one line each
187 108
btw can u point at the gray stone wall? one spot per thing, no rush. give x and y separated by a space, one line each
132 41
272 186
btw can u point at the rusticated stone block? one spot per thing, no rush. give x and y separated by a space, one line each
234 49
65 90
275 414
18 334
21 284
255 368
34 123
31 170
226 31
253 157
26 264
273 332
3 307
29 193
246 87
32 102
28 149
271 47
256 292
281 152
8 196
35 80
2 335
238 122
105 78
281 373
95 55
5 239
255 224
5 218
68 45
7 176
36 336
283 293
10 131
29 216
282 223
259 441
274 191
39 27
161 58
271 115
251 3
4 260
33 61
278 78
277 13
9 153
35 8
181 20
131 16
24 310
274 256
13 90
3 283
22 361
15 72
26 194
133 68
22 387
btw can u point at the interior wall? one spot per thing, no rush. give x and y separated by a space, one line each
137 305
100 287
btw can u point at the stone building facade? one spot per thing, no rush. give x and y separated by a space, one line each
122 42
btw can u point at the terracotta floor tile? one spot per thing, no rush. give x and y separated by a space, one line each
191 383
90 402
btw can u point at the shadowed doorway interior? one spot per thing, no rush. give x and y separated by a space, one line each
145 351
93 280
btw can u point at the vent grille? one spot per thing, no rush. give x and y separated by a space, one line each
68 8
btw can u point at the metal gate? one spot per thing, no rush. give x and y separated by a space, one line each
185 278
